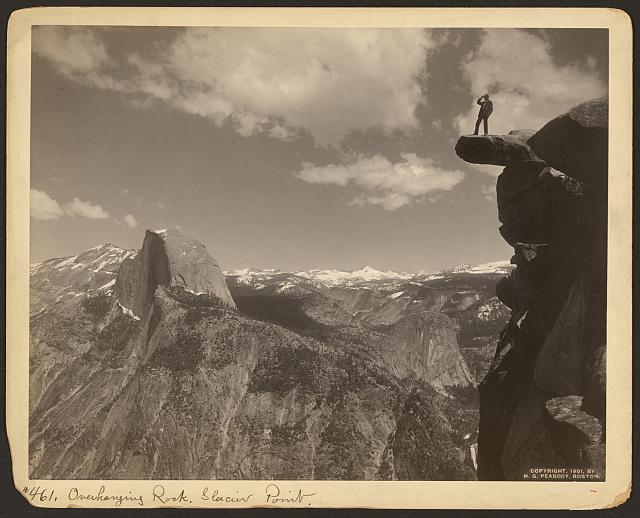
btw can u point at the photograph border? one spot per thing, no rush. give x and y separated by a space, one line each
330 494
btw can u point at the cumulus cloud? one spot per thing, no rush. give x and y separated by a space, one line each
527 87
326 81
488 192
43 206
75 52
85 209
387 184
130 220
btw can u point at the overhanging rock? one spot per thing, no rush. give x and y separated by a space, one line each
498 149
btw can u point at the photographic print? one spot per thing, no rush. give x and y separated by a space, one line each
315 254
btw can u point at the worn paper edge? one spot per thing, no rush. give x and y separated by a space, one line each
361 494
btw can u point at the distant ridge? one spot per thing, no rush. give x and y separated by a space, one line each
335 277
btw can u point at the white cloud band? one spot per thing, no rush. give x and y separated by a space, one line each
131 221
387 184
44 207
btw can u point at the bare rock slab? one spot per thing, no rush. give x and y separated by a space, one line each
558 366
503 150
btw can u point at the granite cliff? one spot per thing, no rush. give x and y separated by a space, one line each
171 259
542 404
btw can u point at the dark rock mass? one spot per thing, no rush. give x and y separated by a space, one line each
542 404
576 142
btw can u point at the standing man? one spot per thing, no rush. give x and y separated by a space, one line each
486 108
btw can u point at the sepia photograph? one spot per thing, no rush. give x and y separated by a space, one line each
315 253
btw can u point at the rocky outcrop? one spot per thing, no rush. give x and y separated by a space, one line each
578 436
497 149
171 259
542 404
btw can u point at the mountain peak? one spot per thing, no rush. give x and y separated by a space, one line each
368 270
492 267
169 258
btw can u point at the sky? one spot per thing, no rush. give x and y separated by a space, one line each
288 148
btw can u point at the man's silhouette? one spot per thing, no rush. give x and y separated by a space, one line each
486 108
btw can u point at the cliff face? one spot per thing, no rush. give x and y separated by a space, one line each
425 346
543 402
171 259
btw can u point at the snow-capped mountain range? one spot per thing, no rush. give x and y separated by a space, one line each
334 278
95 271
68 279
